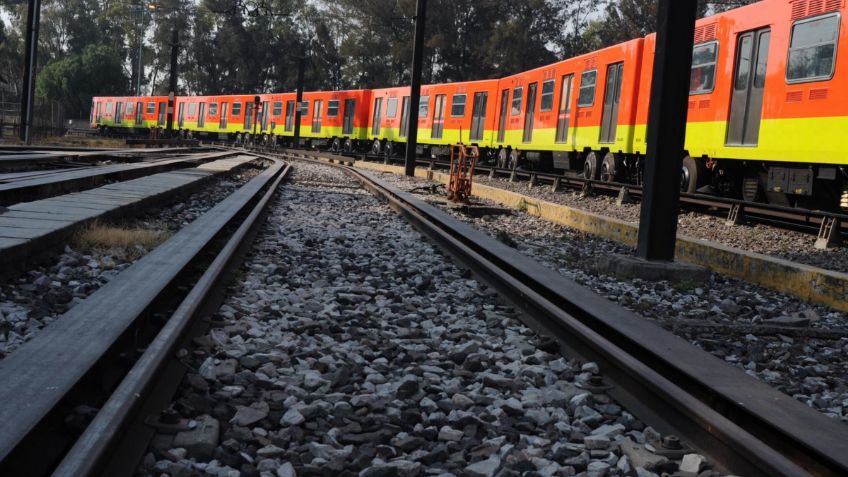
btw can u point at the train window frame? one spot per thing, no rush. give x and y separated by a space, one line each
192 108
212 110
813 79
459 113
109 107
391 107
278 108
423 101
594 87
128 108
150 109
714 64
332 110
513 109
551 94
235 111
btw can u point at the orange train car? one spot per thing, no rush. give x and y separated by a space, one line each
131 114
337 120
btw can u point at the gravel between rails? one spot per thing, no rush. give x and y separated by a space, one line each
39 296
760 238
352 346
726 317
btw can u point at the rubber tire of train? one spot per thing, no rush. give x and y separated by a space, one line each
691 174
376 147
609 168
591 166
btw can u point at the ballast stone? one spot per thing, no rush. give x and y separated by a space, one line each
201 441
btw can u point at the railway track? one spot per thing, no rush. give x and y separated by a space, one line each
743 425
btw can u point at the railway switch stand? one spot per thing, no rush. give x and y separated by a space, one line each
463 160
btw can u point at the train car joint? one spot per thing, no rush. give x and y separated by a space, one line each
829 234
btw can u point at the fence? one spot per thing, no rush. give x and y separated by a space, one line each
48 120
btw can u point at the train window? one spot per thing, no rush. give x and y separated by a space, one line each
278 108
812 50
213 109
743 62
391 107
547 103
516 101
192 109
129 107
109 107
151 107
423 106
236 108
458 105
587 88
332 108
702 77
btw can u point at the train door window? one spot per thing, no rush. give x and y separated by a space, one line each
438 117
119 109
278 108
702 77
746 102
151 107
458 105
478 115
248 115
547 102
423 106
812 49
316 115
612 97
332 108
564 113
98 115
201 115
530 112
236 109
502 117
139 109
289 115
181 115
163 108
404 117
378 116
587 88
349 112
516 101
265 115
391 108
222 123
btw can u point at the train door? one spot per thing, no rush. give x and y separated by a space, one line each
222 123
529 112
318 105
119 112
564 112
201 115
163 108
289 115
98 116
749 79
612 97
265 114
181 115
349 113
139 111
404 117
478 115
248 115
378 116
502 117
438 117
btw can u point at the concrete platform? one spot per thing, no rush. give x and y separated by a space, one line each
626 266
30 231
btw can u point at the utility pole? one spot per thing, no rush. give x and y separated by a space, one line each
151 7
172 84
301 64
415 88
28 92
666 133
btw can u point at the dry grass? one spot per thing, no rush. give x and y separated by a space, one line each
82 141
128 243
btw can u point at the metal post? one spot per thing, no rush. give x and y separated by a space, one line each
666 132
415 88
140 50
28 93
172 84
301 64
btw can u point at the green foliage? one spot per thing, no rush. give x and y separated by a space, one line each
74 79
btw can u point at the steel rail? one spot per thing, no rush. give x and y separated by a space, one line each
93 450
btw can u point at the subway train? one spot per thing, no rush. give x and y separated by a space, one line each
766 113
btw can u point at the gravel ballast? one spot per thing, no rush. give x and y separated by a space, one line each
795 346
351 346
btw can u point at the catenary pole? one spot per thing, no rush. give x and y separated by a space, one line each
28 90
415 87
172 84
301 64
666 132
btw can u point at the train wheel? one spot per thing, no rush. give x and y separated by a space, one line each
376 147
591 166
501 158
691 175
389 150
609 168
513 158
348 145
336 145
